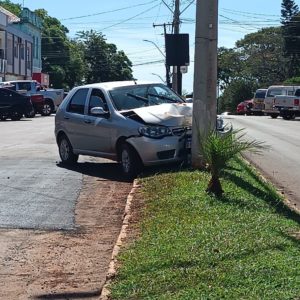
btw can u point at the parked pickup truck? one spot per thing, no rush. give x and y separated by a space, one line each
276 90
288 106
53 97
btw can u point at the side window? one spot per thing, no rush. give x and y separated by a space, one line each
24 86
77 102
97 99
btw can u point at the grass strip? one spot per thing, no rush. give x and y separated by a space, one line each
244 245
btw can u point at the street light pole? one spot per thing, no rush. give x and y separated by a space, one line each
164 55
158 77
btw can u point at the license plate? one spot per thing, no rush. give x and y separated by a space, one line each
188 143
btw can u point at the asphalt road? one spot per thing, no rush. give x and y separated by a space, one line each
280 164
35 192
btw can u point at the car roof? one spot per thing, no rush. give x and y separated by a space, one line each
283 86
114 84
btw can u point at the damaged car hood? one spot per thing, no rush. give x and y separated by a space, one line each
173 114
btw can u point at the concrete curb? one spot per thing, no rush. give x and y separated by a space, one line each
112 270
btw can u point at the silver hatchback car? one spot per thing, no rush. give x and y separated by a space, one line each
136 124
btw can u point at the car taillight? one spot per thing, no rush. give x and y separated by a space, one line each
296 102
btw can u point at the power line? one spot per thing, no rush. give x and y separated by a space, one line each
107 12
124 21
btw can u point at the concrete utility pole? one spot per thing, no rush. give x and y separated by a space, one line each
205 75
177 76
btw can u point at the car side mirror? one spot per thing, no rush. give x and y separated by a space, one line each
98 111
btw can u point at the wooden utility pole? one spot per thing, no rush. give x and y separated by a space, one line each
177 76
205 75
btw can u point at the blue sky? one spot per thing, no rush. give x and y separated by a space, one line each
127 23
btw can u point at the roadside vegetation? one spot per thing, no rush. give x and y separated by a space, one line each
193 245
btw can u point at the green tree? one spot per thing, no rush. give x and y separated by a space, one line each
75 70
55 49
261 53
290 20
104 62
289 9
230 66
237 91
12 7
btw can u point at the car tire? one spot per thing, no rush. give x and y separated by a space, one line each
274 116
47 109
286 116
16 117
66 153
30 114
130 161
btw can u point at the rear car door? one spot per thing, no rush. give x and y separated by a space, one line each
74 120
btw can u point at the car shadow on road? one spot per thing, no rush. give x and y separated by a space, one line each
76 295
112 170
106 170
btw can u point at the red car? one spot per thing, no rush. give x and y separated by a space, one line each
244 107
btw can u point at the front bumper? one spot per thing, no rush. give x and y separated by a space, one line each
161 151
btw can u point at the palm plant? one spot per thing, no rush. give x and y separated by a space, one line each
218 149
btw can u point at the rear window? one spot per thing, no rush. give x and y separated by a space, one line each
276 91
260 94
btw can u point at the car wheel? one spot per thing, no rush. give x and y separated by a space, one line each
130 161
16 116
274 116
46 111
30 114
66 151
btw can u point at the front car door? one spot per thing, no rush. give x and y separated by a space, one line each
99 128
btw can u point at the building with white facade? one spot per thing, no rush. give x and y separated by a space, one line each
20 45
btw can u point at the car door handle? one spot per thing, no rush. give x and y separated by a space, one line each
87 121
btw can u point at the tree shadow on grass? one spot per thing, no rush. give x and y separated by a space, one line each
267 194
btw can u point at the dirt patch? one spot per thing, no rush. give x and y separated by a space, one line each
65 264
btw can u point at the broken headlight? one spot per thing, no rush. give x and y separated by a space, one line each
155 132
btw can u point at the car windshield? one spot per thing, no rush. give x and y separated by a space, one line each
136 96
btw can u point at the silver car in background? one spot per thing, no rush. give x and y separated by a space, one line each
136 124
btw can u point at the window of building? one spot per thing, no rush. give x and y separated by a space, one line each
22 51
16 50
28 58
9 52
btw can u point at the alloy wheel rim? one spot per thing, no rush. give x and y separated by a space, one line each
125 161
64 149
47 109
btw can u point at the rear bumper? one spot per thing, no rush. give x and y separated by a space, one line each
271 111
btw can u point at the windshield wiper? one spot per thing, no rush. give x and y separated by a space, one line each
138 97
164 98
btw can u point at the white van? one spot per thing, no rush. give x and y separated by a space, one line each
273 91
